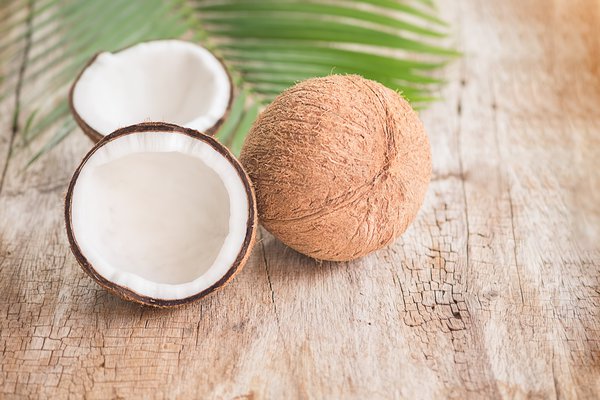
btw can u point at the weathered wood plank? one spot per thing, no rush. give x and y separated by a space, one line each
516 146
492 293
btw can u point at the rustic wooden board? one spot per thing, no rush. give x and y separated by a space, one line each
494 292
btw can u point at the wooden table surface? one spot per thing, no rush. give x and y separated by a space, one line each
494 292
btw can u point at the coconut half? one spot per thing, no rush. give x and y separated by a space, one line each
167 80
160 214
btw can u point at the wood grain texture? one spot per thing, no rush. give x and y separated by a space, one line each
494 292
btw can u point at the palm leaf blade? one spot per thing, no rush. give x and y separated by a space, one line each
217 13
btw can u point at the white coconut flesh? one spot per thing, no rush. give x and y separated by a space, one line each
169 80
162 214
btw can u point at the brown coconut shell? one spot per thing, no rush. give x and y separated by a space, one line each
340 165
96 136
126 293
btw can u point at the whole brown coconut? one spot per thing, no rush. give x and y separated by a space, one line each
340 165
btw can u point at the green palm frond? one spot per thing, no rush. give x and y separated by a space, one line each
268 45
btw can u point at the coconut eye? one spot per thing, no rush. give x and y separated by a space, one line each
168 80
160 214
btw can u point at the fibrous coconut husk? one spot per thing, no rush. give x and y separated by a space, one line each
340 165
